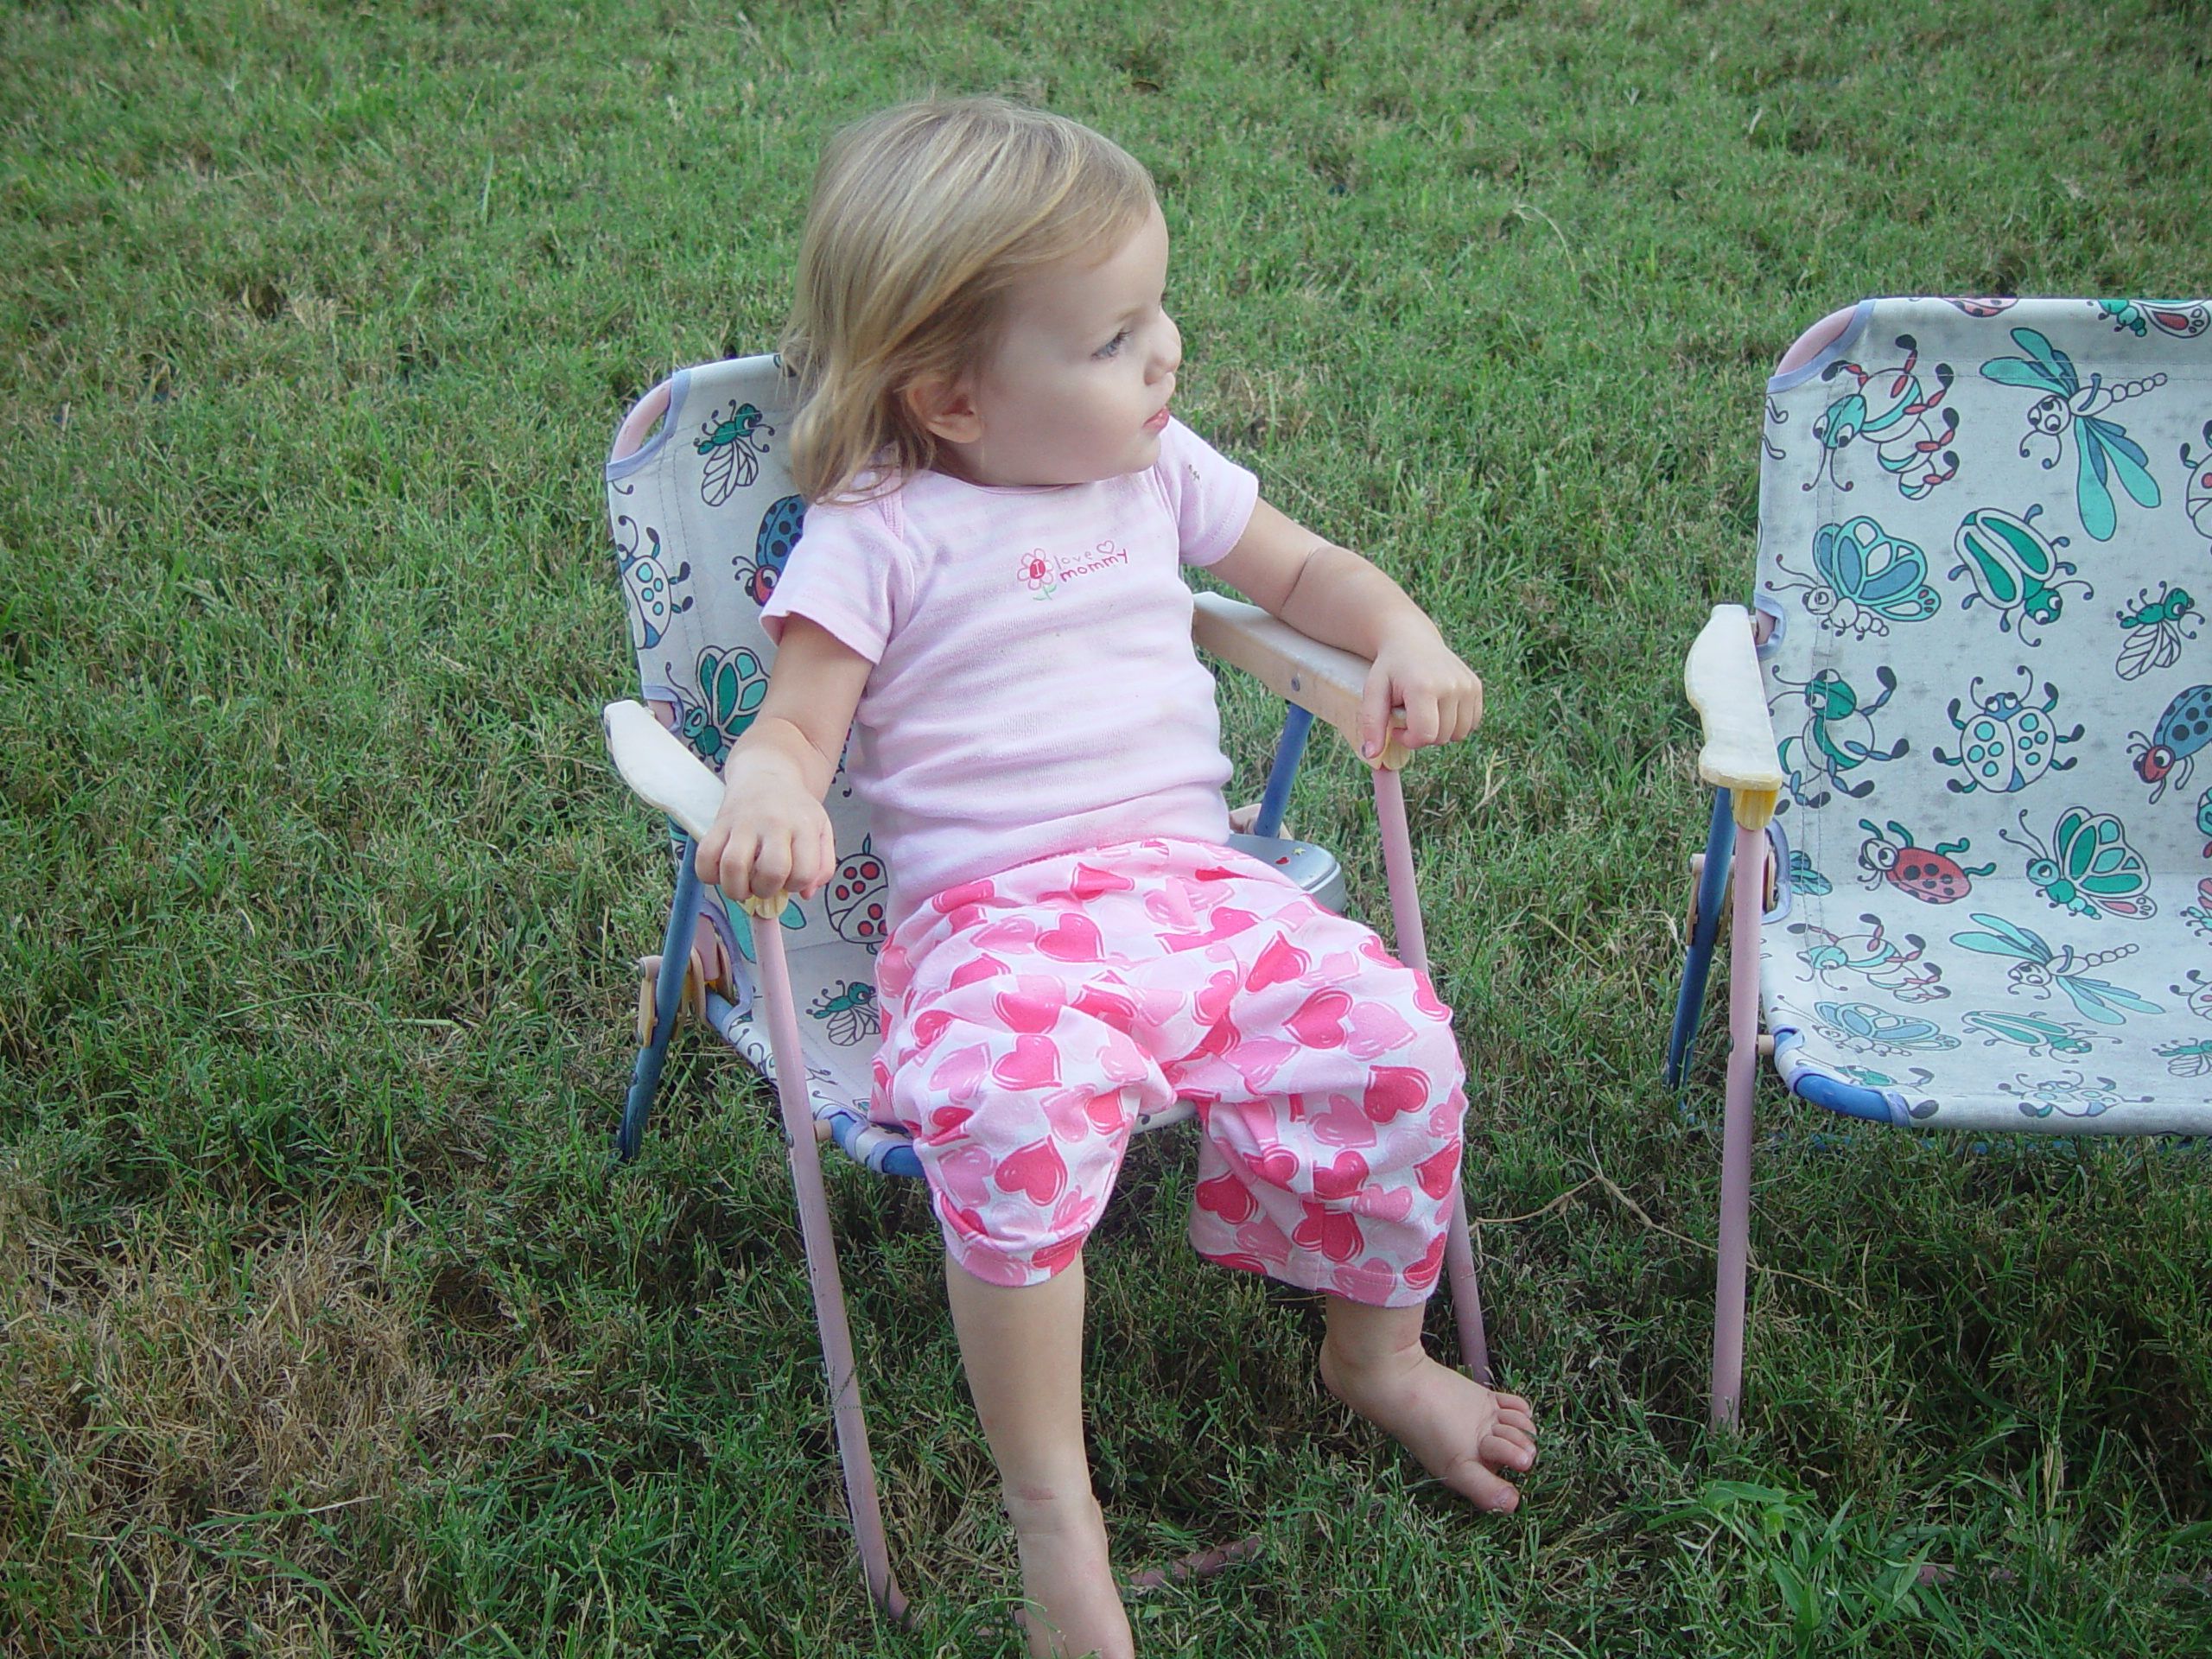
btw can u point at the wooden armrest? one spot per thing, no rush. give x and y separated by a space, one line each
662 772
1722 677
1325 681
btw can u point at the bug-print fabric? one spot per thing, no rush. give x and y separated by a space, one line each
1030 1017
1983 531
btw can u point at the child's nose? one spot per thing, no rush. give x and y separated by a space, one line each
1167 349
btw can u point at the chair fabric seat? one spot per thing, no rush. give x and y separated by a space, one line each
1983 534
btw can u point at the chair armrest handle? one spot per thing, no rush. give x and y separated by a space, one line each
1325 681
1722 677
659 769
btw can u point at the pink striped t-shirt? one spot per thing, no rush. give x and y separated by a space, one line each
1035 690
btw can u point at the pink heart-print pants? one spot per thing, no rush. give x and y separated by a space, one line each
1030 1017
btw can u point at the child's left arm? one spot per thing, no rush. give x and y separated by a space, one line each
1334 596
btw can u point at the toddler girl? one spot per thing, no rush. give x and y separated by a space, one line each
988 597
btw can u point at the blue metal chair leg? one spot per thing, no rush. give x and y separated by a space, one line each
1705 932
1296 723
675 957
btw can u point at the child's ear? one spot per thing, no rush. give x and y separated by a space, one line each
945 408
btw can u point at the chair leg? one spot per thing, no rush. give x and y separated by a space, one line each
1736 1130
1412 950
675 953
793 1095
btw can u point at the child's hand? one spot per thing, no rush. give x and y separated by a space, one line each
1417 672
770 837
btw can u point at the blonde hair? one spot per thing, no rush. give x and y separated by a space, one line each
923 218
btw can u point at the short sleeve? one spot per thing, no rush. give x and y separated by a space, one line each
848 574
1211 496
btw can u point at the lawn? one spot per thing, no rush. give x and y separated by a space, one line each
324 1326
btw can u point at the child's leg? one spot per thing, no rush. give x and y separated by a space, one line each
1023 1352
1460 1432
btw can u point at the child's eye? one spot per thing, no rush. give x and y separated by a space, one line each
1113 347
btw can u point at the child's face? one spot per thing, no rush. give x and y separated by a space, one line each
1077 388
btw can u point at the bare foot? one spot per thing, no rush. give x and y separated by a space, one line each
1075 1606
1464 1435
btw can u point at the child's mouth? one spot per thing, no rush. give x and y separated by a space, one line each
1158 422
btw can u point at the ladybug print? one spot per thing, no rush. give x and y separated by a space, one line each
855 898
2169 753
2010 742
779 529
1932 874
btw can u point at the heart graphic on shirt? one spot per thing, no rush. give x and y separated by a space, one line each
1277 1167
1343 1124
1371 948
1105 1007
1425 999
1395 1205
1034 1063
1053 1257
1392 1089
1320 1022
1424 1271
1170 906
1074 939
961 1073
966 1223
1090 882
974 968
946 1121
1008 933
1331 1232
1223 924
1341 1179
1258 1058
1377 1029
1034 1007
1224 1196
968 892
1106 1111
929 1026
1280 963
1211 1004
1035 1171
1436 1174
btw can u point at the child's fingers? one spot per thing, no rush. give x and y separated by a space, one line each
1374 701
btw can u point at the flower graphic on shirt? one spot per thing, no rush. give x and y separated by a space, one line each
1038 575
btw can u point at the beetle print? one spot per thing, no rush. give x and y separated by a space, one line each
2015 568
1838 735
726 440
2182 319
855 897
2009 742
1865 579
2166 759
2153 631
2070 1096
2088 869
771 548
2198 486
648 585
2039 1035
1931 874
2197 993
1897 413
2102 448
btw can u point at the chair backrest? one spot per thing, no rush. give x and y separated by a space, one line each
1983 531
704 519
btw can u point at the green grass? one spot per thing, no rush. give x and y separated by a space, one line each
323 1327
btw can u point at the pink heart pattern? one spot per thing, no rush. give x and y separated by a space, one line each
1041 1011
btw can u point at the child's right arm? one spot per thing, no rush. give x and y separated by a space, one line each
771 835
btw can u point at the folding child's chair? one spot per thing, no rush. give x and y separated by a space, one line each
1971 879
705 520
